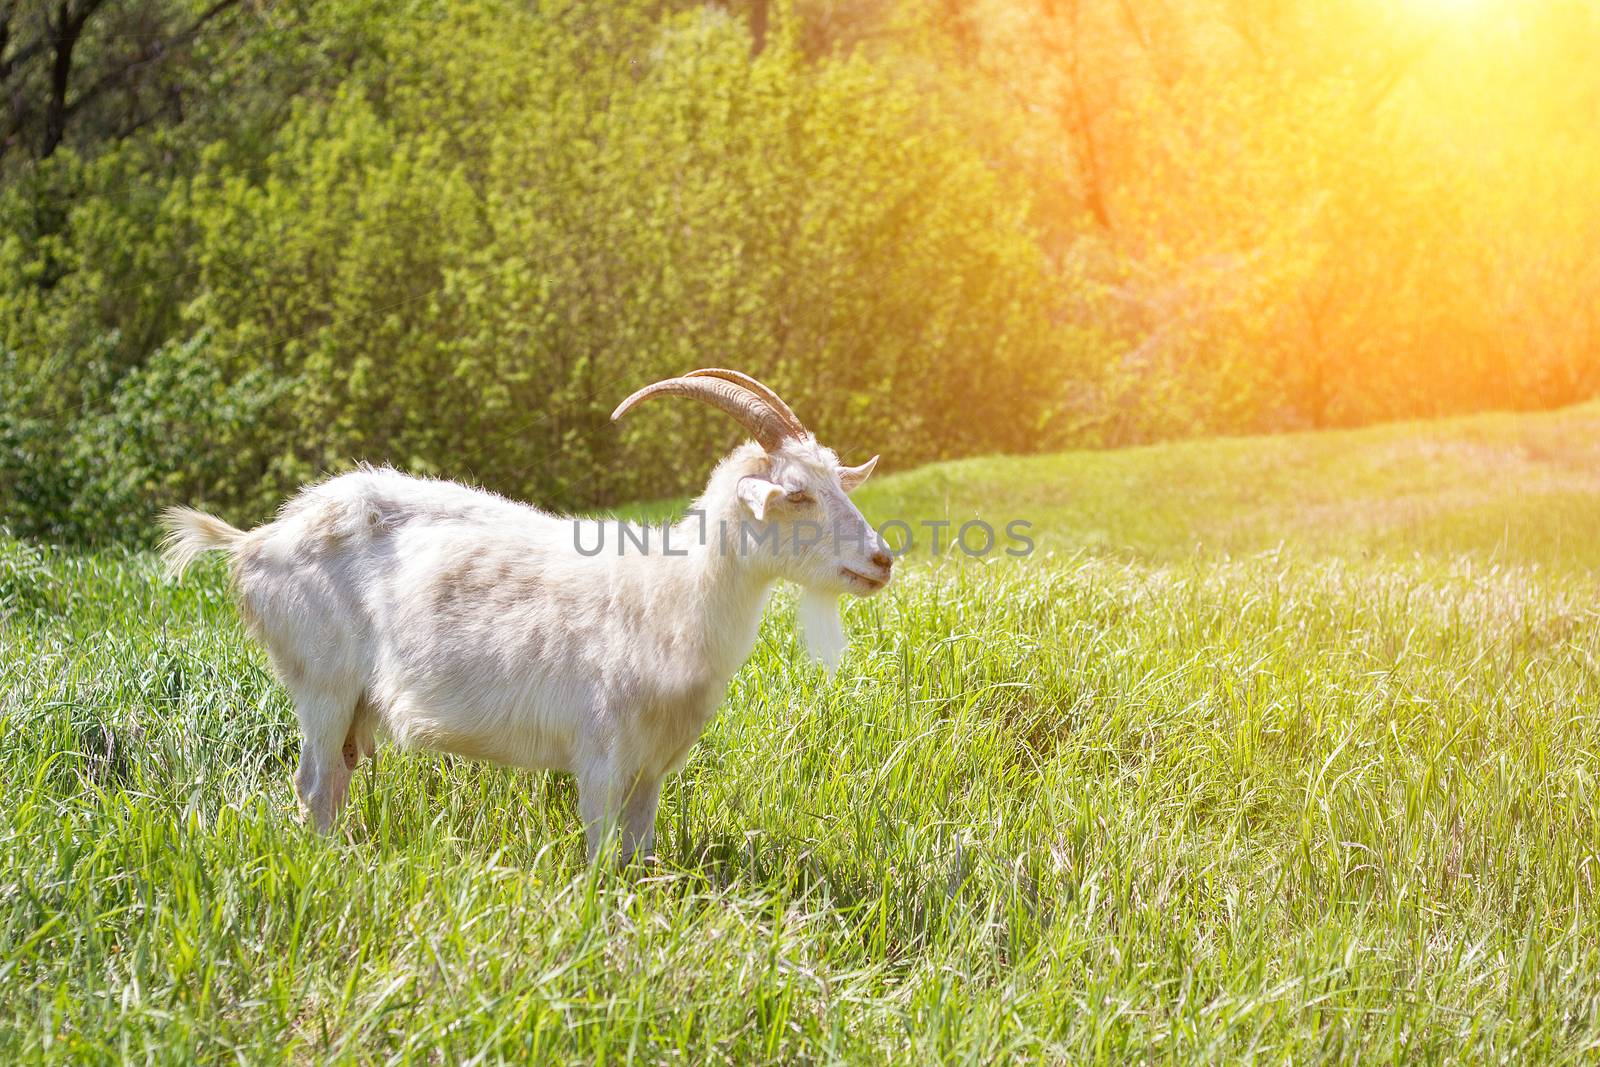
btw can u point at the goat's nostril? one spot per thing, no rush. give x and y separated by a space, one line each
883 559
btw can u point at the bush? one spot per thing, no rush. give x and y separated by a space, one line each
507 219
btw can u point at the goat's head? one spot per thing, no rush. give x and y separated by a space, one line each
797 519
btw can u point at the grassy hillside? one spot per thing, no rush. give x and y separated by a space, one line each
1517 489
1278 748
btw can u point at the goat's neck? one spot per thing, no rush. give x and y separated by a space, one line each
728 591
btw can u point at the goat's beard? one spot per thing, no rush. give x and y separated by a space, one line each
821 627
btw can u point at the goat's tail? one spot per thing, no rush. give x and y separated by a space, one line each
191 532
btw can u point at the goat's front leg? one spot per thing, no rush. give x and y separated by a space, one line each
612 800
600 795
639 818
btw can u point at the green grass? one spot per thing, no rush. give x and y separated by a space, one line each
1278 749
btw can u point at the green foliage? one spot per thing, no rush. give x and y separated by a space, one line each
174 429
501 222
450 236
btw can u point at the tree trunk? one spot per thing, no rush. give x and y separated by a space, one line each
1093 181
758 26
69 24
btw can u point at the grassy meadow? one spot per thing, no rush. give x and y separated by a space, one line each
1277 749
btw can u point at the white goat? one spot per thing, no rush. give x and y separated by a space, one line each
457 620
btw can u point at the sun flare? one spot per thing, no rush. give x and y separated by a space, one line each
1449 8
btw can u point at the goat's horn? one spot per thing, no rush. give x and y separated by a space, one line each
764 392
750 410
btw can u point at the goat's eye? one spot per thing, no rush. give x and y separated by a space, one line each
800 496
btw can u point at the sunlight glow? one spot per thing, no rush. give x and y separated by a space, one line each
1448 8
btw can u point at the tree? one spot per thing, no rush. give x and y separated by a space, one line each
110 67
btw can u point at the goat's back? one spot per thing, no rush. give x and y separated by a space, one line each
447 609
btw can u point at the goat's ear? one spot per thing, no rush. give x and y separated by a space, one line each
757 494
850 477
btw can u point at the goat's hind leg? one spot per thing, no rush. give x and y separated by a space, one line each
322 782
361 740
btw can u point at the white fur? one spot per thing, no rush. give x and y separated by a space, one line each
456 620
821 627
